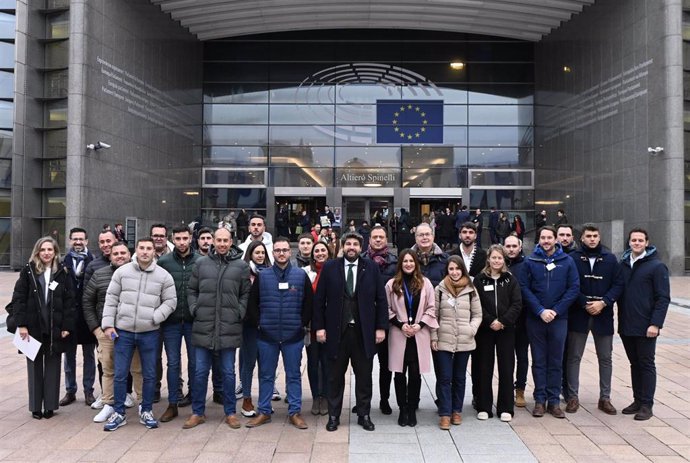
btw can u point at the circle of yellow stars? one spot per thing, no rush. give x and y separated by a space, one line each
410 135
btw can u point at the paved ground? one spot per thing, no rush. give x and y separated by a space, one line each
588 435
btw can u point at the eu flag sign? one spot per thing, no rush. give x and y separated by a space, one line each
409 121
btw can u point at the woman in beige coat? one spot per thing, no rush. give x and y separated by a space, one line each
459 314
412 316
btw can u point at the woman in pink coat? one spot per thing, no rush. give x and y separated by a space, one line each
412 315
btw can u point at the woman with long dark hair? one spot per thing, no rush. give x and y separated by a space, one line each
459 314
43 308
499 293
412 317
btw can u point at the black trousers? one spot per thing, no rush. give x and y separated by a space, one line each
44 379
641 351
492 345
351 349
385 375
408 384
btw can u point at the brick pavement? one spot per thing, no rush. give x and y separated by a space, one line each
587 435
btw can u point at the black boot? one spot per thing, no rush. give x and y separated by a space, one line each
412 417
403 419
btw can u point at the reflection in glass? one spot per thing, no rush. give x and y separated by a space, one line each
6 84
366 93
54 173
499 156
56 55
301 177
55 143
435 178
56 113
415 157
6 55
301 135
355 114
235 135
5 235
233 198
5 144
503 199
55 84
312 93
236 92
302 114
500 136
5 203
301 156
236 155
494 115
5 173
235 114
54 203
502 178
57 26
455 114
214 177
6 114
366 156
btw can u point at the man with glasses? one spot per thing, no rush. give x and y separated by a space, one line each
159 233
280 305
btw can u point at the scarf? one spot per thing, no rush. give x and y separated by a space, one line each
424 256
378 256
455 287
78 262
591 252
318 266
255 269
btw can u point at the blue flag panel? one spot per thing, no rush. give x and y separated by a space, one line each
409 121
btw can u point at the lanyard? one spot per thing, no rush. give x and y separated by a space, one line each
409 296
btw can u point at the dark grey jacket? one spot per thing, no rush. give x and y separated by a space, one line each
218 292
94 296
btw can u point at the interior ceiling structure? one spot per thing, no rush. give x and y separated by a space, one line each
515 19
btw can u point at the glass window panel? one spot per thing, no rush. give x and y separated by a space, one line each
236 92
502 178
5 173
55 143
233 198
236 155
415 157
301 135
57 4
500 136
422 92
5 203
56 84
234 177
301 71
6 144
435 178
6 114
54 173
235 114
455 136
235 50
313 93
500 72
236 72
6 84
496 156
347 135
453 93
301 177
500 51
56 55
302 156
12 4
7 26
503 199
500 94
356 114
367 93
6 55
354 176
455 114
54 203
367 156
57 26
54 228
56 114
494 115
302 114
5 235
235 135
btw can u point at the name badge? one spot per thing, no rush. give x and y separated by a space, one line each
451 301
284 285
489 288
550 266
53 284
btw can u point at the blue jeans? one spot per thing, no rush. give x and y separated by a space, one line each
147 344
172 341
268 363
317 370
547 342
217 373
248 355
452 368
89 370
204 359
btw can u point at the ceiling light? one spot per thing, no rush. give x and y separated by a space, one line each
457 65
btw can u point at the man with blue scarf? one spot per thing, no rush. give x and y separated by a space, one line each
550 285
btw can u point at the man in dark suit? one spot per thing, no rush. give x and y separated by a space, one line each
350 317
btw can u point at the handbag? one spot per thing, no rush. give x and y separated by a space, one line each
10 321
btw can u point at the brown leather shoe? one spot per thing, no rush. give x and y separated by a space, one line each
456 418
605 406
67 399
297 421
89 398
258 420
556 411
572 405
444 423
169 414
520 398
233 421
538 410
194 421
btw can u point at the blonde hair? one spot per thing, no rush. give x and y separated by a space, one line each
35 258
495 248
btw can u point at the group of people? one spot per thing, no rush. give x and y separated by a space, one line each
419 309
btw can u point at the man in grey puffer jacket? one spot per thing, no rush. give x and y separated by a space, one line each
140 297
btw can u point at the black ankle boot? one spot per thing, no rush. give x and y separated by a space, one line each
402 419
412 417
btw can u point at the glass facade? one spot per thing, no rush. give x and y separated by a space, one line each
7 39
368 109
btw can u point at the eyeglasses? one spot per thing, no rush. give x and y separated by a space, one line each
281 251
424 234
78 239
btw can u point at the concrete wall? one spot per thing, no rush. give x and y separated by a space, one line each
622 93
135 83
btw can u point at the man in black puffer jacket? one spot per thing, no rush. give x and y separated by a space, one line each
217 294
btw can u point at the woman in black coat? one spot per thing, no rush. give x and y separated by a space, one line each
43 304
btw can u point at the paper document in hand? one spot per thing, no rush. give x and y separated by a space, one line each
30 347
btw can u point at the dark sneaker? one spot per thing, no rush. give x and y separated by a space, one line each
115 421
644 414
631 409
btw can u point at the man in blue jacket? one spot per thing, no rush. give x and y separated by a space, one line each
280 305
600 286
550 285
641 312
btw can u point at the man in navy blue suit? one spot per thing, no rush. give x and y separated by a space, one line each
350 317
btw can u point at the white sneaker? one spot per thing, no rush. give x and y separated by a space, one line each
104 414
482 416
238 390
129 401
276 394
506 417
98 404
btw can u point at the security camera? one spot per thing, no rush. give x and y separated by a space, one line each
97 146
655 151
